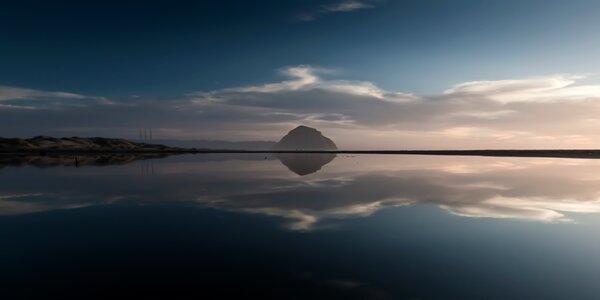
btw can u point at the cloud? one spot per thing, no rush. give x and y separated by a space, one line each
337 7
301 77
25 99
8 106
346 6
306 78
552 88
15 93
542 112
502 111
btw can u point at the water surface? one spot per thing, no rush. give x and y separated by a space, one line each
300 226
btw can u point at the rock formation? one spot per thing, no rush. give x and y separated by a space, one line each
305 138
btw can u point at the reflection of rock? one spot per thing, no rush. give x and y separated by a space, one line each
305 163
305 138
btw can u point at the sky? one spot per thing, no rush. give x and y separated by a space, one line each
370 74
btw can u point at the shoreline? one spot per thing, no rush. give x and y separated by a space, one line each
558 153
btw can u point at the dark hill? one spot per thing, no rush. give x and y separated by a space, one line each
305 138
51 144
218 144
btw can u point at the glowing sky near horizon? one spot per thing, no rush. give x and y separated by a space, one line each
367 73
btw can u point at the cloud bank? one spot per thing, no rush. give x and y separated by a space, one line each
543 112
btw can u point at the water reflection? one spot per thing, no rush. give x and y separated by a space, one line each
544 190
73 160
305 163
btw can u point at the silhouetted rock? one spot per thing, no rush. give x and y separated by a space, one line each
305 138
305 163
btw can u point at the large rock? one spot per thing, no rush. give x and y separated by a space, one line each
305 138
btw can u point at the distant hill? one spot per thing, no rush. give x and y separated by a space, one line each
217 144
46 143
305 138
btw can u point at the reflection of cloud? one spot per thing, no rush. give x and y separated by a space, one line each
304 219
543 190
537 209
10 204
301 220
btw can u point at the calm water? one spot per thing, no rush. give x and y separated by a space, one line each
301 227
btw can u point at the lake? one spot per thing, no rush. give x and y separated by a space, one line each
300 226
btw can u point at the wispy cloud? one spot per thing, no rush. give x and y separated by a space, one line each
306 78
540 112
550 88
16 93
346 6
17 98
337 7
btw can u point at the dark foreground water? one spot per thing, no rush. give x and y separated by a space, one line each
300 227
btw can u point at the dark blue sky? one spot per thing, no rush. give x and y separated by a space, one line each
121 48
369 73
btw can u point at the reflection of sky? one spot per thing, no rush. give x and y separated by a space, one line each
536 189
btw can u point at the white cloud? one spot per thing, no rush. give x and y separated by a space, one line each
543 112
17 98
306 78
543 89
15 93
486 114
8 106
301 77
